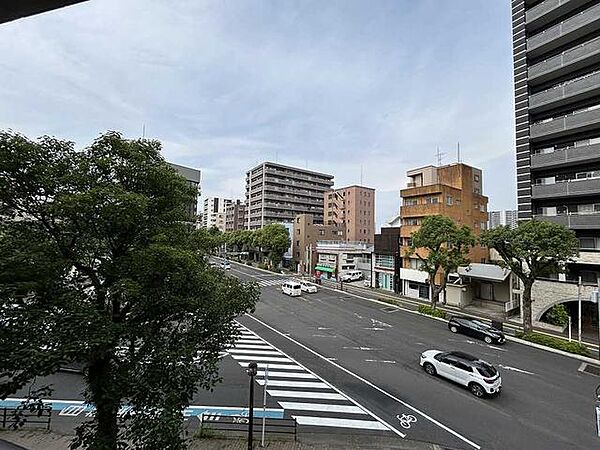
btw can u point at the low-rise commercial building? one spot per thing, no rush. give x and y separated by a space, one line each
305 235
386 260
336 257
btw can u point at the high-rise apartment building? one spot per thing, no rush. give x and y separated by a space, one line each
193 177
556 53
455 191
507 217
276 193
352 207
556 46
235 216
213 214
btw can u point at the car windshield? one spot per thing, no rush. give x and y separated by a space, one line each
486 370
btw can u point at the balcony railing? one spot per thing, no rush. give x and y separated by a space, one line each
574 221
572 90
573 26
571 155
578 121
566 189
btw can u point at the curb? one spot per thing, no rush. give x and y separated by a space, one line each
586 359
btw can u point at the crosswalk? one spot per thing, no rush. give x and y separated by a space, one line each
301 393
270 282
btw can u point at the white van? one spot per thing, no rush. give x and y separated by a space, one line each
291 288
352 275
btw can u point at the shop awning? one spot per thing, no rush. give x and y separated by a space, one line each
488 272
324 269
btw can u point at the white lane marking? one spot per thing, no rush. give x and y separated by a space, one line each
305 394
324 335
262 365
324 328
497 348
258 358
373 329
241 351
322 407
339 423
358 316
331 359
285 374
294 383
366 349
515 369
249 340
379 323
381 361
367 382
253 346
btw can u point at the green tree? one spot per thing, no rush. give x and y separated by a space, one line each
441 247
275 240
98 265
534 249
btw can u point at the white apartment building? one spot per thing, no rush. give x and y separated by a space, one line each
213 214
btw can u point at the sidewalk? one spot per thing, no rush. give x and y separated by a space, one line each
47 440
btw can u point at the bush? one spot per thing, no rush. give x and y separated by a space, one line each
424 309
557 315
262 266
555 342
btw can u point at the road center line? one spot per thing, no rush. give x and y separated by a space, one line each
367 382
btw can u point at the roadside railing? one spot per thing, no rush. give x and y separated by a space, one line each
21 417
239 425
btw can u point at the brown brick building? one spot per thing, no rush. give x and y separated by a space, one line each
235 216
455 191
353 208
304 241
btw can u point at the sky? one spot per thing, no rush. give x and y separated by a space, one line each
333 86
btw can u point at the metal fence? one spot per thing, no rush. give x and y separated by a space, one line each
20 417
239 425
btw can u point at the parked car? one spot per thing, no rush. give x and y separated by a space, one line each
291 288
477 329
479 376
351 275
226 265
306 286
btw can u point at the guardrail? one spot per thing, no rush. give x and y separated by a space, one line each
19 417
239 424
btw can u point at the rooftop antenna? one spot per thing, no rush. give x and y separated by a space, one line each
143 131
361 174
439 156
458 151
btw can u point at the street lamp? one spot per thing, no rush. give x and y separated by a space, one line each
251 371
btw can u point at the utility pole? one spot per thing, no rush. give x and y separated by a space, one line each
579 310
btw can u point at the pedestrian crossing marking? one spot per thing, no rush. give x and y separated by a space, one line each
289 383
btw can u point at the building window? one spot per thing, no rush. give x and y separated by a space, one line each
449 200
297 243
410 201
386 261
411 221
433 200
476 178
321 232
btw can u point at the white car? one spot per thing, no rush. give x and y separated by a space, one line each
308 287
226 265
351 275
291 288
479 376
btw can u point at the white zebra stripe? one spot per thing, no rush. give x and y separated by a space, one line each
306 394
298 384
321 407
340 423
261 358
286 374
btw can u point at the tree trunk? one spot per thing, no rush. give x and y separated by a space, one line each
527 322
107 405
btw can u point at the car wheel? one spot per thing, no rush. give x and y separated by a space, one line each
476 390
428 367
454 329
488 340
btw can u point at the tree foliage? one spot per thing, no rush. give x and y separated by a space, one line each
442 247
273 239
98 265
534 249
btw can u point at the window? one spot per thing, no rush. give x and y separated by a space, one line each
482 225
297 243
410 201
411 221
482 208
386 261
414 263
477 190
321 232
449 200
433 200
476 178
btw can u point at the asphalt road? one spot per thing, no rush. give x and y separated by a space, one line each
370 352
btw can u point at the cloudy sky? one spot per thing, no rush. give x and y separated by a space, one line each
226 84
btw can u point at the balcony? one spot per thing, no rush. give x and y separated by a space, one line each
302 184
583 55
566 157
572 123
565 93
549 10
562 33
420 210
566 189
575 221
298 176
421 190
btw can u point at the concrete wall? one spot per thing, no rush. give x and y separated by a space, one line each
546 294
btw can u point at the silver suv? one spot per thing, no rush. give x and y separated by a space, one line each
479 376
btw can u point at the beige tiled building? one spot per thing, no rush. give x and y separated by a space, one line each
304 240
235 216
353 208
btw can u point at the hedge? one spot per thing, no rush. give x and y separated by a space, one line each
424 309
554 342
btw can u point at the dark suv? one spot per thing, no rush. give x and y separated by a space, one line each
477 329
